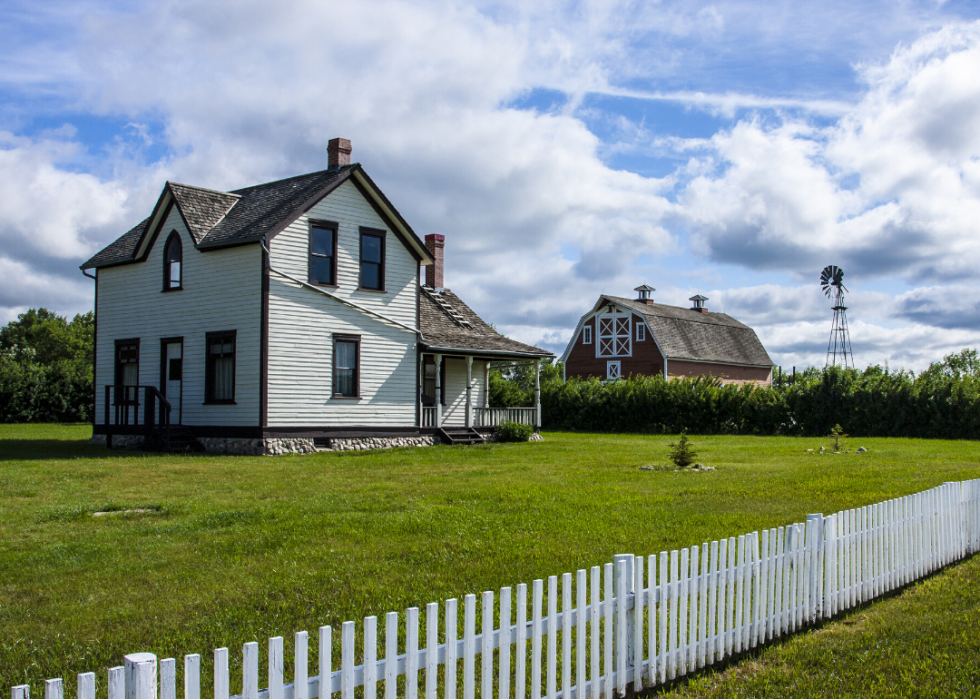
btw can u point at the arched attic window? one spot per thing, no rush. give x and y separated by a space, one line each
172 263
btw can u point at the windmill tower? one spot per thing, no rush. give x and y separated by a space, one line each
839 346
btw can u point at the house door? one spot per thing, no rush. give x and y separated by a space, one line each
174 368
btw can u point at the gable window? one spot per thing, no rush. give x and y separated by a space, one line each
172 259
346 366
614 334
587 335
323 253
372 259
220 368
641 332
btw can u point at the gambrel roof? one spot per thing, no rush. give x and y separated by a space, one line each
218 219
449 324
683 333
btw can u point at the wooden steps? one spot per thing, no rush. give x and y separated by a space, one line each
461 436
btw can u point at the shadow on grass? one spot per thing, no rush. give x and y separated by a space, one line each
40 449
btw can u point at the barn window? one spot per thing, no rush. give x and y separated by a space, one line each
372 259
172 259
641 332
220 367
346 366
587 335
614 335
614 370
323 253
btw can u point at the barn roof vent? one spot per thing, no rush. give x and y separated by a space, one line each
698 301
644 292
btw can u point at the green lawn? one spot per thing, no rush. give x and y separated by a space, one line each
234 549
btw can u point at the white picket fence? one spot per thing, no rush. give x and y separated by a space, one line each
634 624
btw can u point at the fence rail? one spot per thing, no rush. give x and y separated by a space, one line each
632 624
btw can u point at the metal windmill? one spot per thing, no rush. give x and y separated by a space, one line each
839 346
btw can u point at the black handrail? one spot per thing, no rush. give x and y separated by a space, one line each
125 403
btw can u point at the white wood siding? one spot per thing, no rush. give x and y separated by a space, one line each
302 323
221 291
454 411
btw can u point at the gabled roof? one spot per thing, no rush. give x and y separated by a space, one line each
447 323
221 219
682 333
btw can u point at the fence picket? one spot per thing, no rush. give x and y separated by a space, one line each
711 638
682 612
580 644
117 680
469 647
275 668
703 606
536 617
325 688
301 667
730 578
221 679
391 655
412 653
486 651
607 632
692 610
638 624
520 650
370 658
566 633
451 666
552 655
503 662
55 689
594 635
347 660
86 685
664 614
168 678
652 619
250 669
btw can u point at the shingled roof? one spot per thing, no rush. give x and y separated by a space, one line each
220 219
682 333
448 323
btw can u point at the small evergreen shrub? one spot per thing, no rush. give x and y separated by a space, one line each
681 453
510 431
837 438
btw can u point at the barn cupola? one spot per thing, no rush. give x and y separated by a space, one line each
643 294
698 301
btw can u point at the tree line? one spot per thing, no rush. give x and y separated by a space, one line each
941 402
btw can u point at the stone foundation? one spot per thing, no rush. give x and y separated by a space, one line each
241 446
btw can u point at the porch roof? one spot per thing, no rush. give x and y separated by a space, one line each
449 325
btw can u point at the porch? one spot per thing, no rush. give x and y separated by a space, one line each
454 391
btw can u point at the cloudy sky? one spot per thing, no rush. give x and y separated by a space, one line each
732 149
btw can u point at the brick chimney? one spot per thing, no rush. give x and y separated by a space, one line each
433 273
338 153
698 301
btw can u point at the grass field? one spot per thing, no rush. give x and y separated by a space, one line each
233 549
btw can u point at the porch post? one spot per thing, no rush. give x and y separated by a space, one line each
486 384
419 388
537 393
438 358
469 391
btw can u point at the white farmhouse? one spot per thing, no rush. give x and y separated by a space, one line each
288 316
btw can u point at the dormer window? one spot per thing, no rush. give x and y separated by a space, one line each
172 259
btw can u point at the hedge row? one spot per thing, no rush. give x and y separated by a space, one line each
870 403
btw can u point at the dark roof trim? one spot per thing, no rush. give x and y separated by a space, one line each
156 232
160 213
423 252
395 228
481 352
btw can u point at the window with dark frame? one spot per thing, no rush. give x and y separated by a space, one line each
220 368
346 366
372 259
127 370
172 263
323 253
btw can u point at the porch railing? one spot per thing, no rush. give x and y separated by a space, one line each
491 417
122 407
428 417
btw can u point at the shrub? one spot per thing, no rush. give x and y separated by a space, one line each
510 431
681 453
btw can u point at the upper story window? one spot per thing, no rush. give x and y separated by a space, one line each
587 335
220 368
641 332
323 253
372 259
172 263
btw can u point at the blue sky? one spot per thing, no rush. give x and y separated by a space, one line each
565 149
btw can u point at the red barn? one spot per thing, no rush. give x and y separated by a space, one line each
620 337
